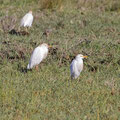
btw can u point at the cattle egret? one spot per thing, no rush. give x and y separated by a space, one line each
27 20
38 55
77 66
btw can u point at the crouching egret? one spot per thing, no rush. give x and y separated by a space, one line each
38 54
77 66
27 20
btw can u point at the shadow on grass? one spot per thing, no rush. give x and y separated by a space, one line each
23 69
14 32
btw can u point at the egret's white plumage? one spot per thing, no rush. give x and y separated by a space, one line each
27 20
77 66
38 55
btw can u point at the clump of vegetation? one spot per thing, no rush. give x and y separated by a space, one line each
103 5
51 4
108 5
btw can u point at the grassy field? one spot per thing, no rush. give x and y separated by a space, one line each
50 94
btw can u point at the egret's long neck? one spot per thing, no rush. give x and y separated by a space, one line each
44 47
79 59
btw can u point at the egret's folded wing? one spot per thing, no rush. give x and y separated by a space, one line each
72 67
24 19
36 57
29 20
79 67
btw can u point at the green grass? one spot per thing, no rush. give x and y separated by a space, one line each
50 94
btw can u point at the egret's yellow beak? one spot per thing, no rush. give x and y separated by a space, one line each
85 56
50 46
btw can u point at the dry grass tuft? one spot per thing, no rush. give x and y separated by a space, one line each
103 5
8 23
51 4
100 4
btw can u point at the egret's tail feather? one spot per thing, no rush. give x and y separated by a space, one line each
28 66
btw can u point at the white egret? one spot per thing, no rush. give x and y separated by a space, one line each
27 20
77 66
38 55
